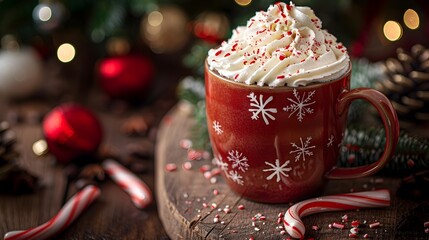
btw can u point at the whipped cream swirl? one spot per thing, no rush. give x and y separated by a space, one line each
284 46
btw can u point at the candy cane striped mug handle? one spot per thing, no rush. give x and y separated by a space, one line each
391 127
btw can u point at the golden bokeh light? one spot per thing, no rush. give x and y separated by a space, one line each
392 30
411 19
243 2
66 52
155 18
40 147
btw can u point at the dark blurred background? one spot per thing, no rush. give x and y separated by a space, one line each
140 50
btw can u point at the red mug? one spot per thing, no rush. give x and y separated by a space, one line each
281 144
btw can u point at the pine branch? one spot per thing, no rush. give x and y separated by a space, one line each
365 146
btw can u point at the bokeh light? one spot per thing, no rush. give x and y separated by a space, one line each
411 19
243 2
392 30
40 147
155 18
45 13
66 52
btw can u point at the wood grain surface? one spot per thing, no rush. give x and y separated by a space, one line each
183 195
111 217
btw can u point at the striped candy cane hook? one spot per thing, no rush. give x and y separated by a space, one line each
370 199
139 192
67 214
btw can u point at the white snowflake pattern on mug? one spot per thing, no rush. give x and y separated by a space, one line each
238 160
277 170
259 107
302 150
231 174
217 127
300 106
237 178
330 141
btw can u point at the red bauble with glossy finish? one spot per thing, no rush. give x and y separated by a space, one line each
72 131
125 76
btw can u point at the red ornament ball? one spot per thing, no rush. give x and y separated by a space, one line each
71 131
125 76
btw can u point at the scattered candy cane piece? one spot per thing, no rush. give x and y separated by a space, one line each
353 235
185 143
354 230
370 199
170 167
67 214
355 223
139 192
187 165
338 225
426 224
374 225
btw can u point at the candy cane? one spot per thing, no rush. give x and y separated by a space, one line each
70 211
139 192
370 199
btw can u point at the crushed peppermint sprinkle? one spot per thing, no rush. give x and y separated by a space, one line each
227 209
205 168
195 155
185 143
241 207
207 175
426 224
215 192
170 167
374 225
355 223
354 230
366 235
213 180
187 166
216 171
338 225
353 235
315 227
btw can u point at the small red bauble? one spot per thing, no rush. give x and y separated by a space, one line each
71 131
125 76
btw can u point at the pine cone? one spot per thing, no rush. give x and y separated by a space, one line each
407 85
7 142
13 178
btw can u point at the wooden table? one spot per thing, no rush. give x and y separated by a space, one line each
188 202
111 216
178 212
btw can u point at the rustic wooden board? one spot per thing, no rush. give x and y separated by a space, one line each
182 193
